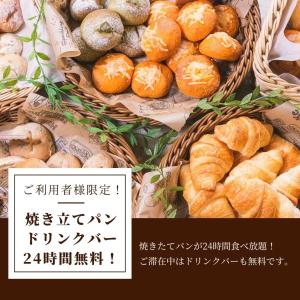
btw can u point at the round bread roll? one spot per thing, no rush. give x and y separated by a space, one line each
132 12
62 159
161 39
186 48
102 29
39 143
10 44
31 163
295 18
86 53
197 19
81 8
131 41
99 160
161 9
228 20
292 35
221 46
112 73
11 17
151 80
197 76
17 64
283 66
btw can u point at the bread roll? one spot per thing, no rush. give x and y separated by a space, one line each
161 9
81 8
131 41
197 19
132 12
17 64
228 20
10 44
151 80
31 163
11 17
102 29
112 73
99 160
161 39
63 159
295 18
87 54
221 46
197 76
186 48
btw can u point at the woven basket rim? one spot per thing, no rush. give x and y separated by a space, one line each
251 33
179 150
12 94
117 145
265 77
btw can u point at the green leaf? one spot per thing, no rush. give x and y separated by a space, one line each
11 83
155 178
37 73
6 72
217 97
132 139
103 137
230 98
256 93
67 87
69 116
43 56
172 214
75 99
205 105
234 103
125 128
153 132
158 193
246 99
275 93
95 130
137 168
111 126
34 34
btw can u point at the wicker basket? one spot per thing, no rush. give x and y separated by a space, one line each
116 144
265 77
179 150
250 32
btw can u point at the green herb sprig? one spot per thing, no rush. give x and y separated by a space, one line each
251 100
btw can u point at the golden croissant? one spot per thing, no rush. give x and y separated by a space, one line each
203 203
286 208
264 166
244 135
210 160
288 184
252 198
290 153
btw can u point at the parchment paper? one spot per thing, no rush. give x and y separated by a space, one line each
172 110
30 9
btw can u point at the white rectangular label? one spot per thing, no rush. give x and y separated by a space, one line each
70 223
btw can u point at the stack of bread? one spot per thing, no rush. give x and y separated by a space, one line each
292 33
182 38
31 145
11 47
242 170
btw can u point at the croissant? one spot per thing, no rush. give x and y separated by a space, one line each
252 198
264 166
290 153
287 209
203 203
244 135
288 184
210 160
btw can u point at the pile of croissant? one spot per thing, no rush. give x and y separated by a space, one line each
242 170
